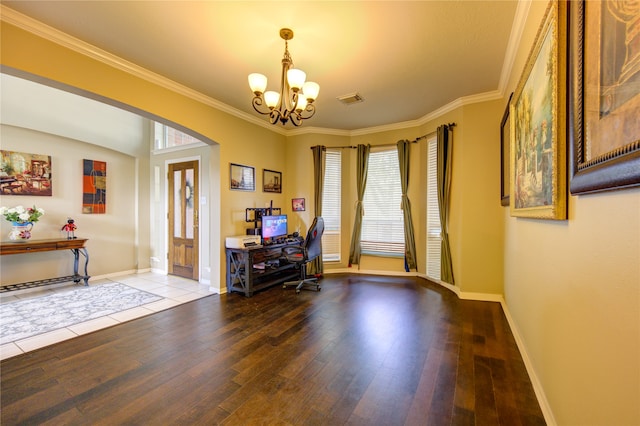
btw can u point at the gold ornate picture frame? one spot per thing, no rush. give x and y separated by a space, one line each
538 187
22 173
505 140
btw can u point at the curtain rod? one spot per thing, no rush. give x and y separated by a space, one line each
432 133
389 144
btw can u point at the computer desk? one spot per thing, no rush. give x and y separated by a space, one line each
255 268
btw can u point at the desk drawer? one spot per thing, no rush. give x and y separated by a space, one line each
70 244
27 248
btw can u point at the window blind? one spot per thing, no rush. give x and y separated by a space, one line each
383 221
331 206
434 244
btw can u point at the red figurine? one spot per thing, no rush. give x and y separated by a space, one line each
70 227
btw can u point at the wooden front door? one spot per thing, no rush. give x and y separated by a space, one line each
183 219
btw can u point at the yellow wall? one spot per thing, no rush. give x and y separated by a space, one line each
573 291
476 189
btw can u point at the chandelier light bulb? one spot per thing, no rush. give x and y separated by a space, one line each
311 90
258 83
302 103
296 78
271 98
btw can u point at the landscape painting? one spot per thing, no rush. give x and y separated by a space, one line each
538 186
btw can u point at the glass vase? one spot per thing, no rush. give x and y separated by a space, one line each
20 231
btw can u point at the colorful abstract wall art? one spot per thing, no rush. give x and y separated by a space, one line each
94 187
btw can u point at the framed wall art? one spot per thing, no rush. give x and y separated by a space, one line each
604 97
242 178
271 181
22 173
297 204
94 187
537 113
505 140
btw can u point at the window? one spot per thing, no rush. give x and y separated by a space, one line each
434 239
168 137
383 221
331 206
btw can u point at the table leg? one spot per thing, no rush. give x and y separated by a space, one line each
85 253
76 258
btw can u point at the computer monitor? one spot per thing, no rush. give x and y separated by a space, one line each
274 226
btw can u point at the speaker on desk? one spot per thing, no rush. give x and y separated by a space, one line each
254 231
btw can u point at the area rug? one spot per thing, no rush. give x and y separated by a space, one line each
29 317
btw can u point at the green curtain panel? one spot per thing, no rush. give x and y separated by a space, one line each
361 181
404 147
319 156
445 156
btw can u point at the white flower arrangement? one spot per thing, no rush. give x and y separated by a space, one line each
20 214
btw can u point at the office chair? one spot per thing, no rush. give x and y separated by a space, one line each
302 255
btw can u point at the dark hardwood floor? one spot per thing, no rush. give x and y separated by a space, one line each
365 350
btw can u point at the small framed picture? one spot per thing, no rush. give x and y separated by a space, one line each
271 181
297 204
242 178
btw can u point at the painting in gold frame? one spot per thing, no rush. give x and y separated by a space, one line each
22 173
604 94
538 186
505 140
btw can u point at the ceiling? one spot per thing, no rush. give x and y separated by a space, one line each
406 59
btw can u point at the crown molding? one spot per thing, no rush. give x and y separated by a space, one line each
519 21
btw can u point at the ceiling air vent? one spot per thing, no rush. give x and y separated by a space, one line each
351 99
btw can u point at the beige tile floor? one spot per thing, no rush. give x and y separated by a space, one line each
175 290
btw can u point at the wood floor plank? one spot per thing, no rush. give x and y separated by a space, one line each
419 411
366 350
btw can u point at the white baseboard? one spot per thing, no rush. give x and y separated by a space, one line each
535 382
482 297
113 274
369 272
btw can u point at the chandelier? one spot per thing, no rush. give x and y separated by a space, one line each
295 100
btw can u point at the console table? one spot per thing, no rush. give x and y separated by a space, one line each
35 246
255 268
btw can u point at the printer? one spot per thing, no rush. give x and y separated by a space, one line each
242 241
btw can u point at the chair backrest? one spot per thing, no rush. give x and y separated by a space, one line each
312 244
